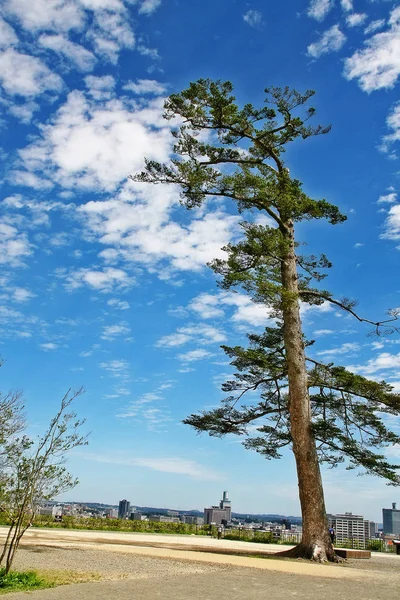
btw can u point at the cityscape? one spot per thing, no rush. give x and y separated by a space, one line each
347 526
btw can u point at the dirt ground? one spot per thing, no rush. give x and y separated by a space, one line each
147 572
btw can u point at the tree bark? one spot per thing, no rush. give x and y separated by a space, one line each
316 543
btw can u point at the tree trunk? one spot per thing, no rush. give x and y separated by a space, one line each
5 547
316 543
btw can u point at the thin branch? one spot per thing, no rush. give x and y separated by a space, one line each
376 324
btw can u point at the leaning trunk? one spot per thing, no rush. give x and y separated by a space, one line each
316 543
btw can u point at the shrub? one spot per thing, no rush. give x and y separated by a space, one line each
375 545
16 580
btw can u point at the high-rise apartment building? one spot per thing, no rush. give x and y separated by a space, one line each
352 528
124 508
391 520
220 514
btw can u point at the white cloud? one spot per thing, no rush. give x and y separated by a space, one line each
206 305
384 361
374 26
21 294
393 124
111 332
106 82
117 368
306 309
105 280
194 355
14 245
331 40
343 349
174 339
148 7
147 409
96 147
111 5
323 332
177 465
388 198
377 345
356 19
23 178
8 37
150 52
110 33
245 311
49 346
24 112
100 88
347 5
145 86
201 333
377 65
80 56
318 9
392 224
59 15
119 304
253 18
24 75
136 226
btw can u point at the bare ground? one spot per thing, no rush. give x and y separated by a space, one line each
143 572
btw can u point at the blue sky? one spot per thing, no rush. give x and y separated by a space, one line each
104 281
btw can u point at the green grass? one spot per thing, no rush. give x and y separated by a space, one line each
16 581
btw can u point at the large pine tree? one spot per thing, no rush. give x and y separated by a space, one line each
323 412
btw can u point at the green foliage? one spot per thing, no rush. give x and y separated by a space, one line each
248 535
14 581
98 524
375 545
347 410
253 174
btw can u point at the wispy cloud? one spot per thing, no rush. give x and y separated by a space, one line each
332 40
145 86
319 9
343 349
253 18
111 332
356 19
148 7
173 464
390 198
201 333
194 355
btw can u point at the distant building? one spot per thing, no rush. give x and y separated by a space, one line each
219 514
124 508
45 511
112 513
192 520
135 516
391 520
352 528
163 519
